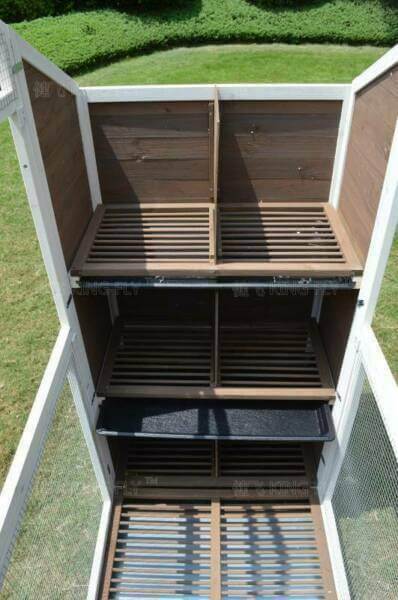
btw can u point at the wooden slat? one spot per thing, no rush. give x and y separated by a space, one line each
215 550
326 567
111 549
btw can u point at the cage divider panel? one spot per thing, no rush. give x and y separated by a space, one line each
201 419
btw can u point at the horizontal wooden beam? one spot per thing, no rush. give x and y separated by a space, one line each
170 93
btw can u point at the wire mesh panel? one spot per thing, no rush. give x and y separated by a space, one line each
365 502
54 547
7 88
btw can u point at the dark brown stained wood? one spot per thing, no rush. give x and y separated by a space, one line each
162 305
240 239
216 464
57 123
153 152
277 151
265 306
283 361
284 355
373 125
96 326
335 323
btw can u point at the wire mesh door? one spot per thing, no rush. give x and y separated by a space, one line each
53 503
364 494
8 93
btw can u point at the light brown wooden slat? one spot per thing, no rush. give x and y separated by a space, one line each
215 550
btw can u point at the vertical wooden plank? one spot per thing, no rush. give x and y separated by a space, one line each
211 150
215 550
323 552
212 235
112 546
216 153
321 358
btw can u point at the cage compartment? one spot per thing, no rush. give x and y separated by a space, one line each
216 519
296 239
226 420
284 361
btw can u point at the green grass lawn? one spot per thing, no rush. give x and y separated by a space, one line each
242 63
28 320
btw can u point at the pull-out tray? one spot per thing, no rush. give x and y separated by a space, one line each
203 419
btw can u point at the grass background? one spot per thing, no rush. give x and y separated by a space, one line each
28 320
79 41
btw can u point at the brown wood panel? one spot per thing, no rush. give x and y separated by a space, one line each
335 323
162 305
153 151
95 323
373 125
254 306
277 151
58 129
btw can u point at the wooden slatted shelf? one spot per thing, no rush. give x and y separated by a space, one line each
216 463
235 541
157 357
273 355
283 361
295 239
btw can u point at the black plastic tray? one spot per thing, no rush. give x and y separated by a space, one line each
207 419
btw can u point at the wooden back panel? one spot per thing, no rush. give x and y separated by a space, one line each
277 151
373 125
335 323
154 151
258 306
58 129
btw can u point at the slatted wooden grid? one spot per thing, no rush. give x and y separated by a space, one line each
128 235
262 460
194 239
282 361
156 355
197 463
217 548
204 458
270 550
279 233
274 355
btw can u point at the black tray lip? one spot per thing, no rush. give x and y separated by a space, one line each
323 410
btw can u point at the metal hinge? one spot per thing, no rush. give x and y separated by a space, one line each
17 67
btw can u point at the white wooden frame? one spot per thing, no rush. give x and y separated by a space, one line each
244 91
69 354
363 349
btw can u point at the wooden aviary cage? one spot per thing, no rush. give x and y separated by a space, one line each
215 254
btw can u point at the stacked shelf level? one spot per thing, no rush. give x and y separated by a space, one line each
297 239
276 361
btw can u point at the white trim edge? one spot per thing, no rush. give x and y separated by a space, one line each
243 91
